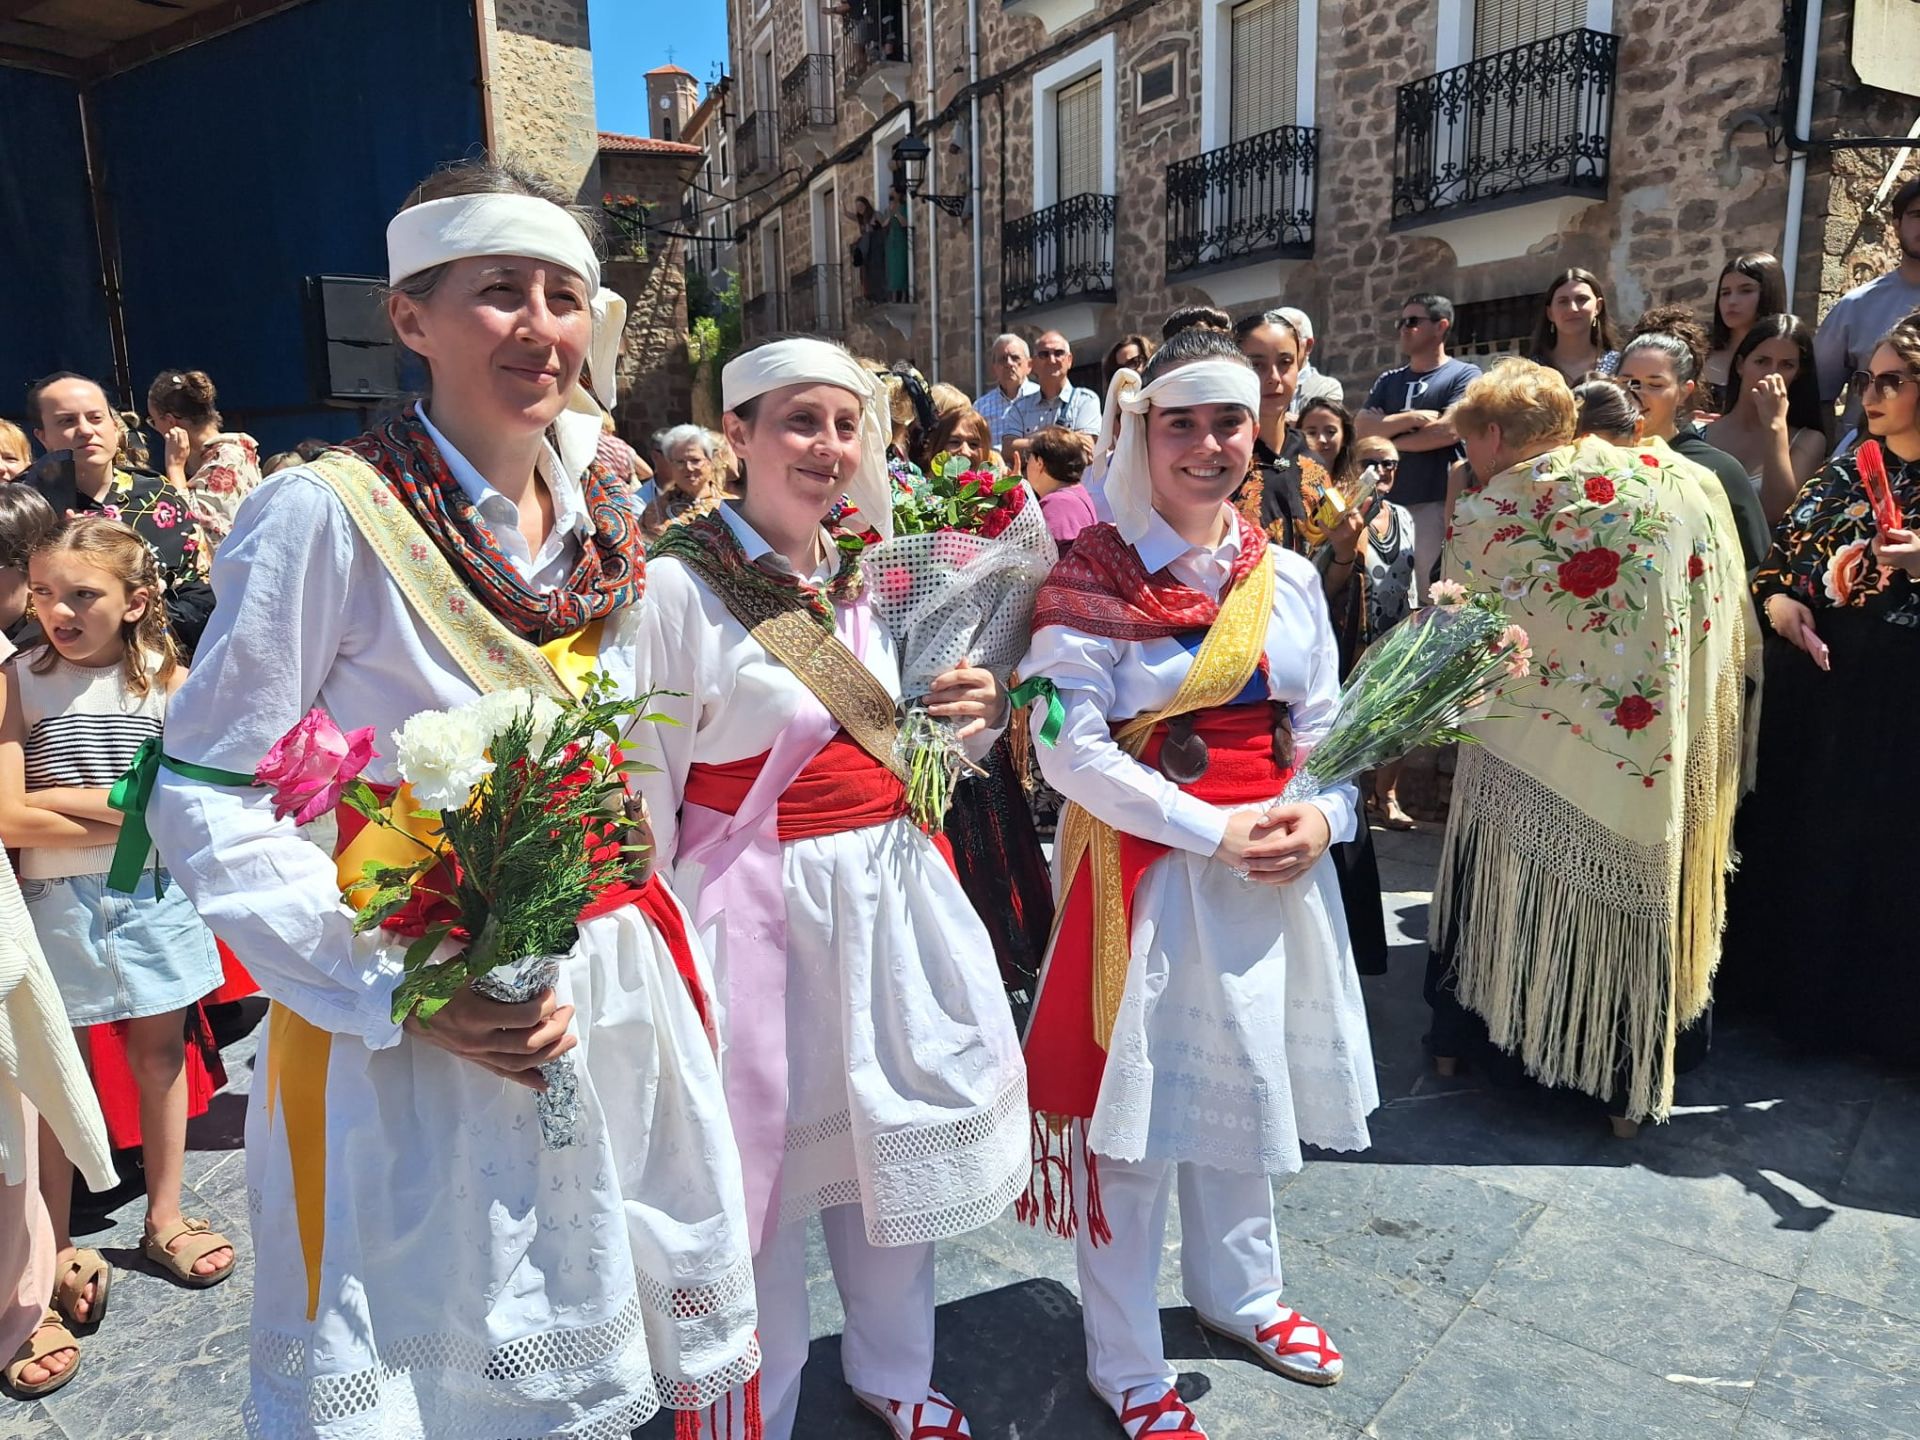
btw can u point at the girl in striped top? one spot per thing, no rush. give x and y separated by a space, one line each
73 712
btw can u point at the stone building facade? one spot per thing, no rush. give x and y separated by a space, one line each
649 272
1635 140
538 72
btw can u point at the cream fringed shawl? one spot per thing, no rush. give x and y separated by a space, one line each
1584 874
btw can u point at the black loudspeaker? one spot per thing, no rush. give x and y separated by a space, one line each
356 360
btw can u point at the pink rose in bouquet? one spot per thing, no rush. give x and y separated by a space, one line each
312 764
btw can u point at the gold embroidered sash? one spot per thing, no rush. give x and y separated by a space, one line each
1225 663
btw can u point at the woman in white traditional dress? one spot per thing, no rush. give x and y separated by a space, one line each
426 1268
1199 1016
871 1063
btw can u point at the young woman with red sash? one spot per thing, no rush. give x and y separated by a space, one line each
1199 1017
872 1069
426 1268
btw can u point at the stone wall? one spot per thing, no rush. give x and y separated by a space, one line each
1692 179
540 89
656 377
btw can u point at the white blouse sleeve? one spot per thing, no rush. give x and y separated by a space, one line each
283 581
1303 610
1091 770
671 654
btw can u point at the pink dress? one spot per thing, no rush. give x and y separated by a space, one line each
1069 510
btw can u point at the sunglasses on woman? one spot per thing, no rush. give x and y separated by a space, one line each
1886 384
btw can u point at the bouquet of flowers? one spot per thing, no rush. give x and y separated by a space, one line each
955 585
521 822
1416 685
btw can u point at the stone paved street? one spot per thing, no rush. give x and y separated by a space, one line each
1497 1265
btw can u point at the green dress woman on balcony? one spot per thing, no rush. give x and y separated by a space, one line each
896 245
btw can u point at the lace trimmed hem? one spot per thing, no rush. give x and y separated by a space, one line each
925 1184
467 1388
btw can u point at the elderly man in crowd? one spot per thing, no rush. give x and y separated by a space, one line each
1009 362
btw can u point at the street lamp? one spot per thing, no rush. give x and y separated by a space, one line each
911 155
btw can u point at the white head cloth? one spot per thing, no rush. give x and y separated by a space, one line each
1121 475
462 227
803 362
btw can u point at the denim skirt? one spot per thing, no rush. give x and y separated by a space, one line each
119 957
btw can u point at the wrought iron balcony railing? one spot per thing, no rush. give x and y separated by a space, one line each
756 144
1533 120
876 34
1251 200
816 305
807 95
764 314
1064 252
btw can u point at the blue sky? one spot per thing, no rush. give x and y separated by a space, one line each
630 37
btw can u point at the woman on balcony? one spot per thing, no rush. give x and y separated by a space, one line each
1199 1019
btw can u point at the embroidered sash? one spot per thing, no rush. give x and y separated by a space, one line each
491 655
818 658
1226 661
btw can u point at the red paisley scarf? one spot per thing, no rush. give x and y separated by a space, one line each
1102 588
610 573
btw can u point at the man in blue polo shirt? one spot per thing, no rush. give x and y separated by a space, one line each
1056 400
1409 406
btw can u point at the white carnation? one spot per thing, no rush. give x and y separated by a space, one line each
493 713
442 754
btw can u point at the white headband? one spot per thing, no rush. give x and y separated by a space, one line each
798 362
1122 475
462 227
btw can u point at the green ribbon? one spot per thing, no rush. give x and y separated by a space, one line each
130 794
1041 688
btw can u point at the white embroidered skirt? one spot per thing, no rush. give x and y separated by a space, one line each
907 1094
472 1283
1242 1033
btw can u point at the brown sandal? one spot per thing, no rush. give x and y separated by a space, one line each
49 1337
87 1267
179 1263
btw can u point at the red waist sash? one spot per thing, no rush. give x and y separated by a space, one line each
1064 1061
843 788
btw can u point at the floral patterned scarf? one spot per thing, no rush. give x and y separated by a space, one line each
611 571
1102 588
707 545
1591 829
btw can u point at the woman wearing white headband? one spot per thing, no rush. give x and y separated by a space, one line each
426 1268
872 1068
1199 1015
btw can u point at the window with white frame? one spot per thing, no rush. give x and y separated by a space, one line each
1503 24
1077 138
1264 44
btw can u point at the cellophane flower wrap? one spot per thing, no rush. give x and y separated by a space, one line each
523 803
955 585
1416 685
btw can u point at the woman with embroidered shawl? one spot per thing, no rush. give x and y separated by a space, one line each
1199 1017
1818 938
1582 882
872 1068
426 1267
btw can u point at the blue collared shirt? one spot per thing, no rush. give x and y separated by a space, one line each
1077 408
994 405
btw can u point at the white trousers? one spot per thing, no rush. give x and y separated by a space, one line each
887 1346
1229 1263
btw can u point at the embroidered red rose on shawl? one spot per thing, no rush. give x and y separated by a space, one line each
1585 573
1696 567
1634 713
1600 489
